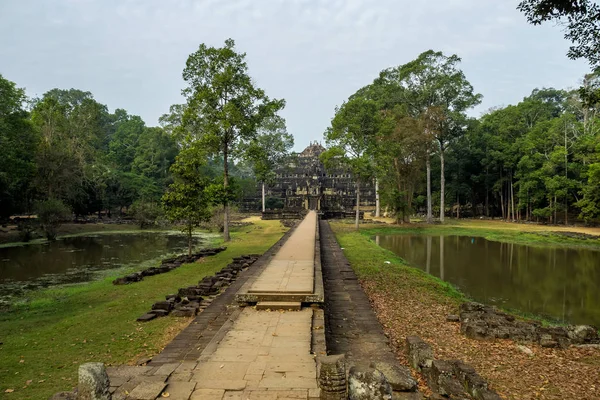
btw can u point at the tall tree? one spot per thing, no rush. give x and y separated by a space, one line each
433 88
224 108
400 153
351 138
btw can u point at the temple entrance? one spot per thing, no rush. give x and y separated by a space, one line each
313 203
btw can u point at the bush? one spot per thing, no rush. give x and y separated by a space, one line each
51 214
146 214
26 230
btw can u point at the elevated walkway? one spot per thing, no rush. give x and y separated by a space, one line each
293 275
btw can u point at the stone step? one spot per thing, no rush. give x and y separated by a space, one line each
279 305
253 298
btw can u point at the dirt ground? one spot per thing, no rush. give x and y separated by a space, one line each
573 373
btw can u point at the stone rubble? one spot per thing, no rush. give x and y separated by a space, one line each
167 265
187 302
452 379
368 384
479 321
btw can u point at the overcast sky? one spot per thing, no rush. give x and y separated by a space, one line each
313 53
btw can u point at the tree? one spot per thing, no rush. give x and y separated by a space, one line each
581 19
269 150
124 142
186 201
18 141
400 153
51 214
145 213
224 108
433 88
351 141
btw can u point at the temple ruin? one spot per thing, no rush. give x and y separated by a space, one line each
304 184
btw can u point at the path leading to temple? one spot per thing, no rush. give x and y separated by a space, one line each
255 354
292 270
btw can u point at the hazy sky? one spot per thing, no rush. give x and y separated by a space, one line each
313 53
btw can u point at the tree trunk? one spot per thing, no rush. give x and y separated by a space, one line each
457 205
512 196
357 203
487 194
429 205
226 236
190 230
501 195
566 178
377 204
555 220
442 257
442 184
263 197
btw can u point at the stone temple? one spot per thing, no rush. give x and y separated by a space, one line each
304 184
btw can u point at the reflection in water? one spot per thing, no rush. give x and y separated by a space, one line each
76 259
557 282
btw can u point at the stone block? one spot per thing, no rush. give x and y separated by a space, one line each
93 382
442 379
146 391
398 376
180 390
420 354
146 317
160 313
184 312
368 384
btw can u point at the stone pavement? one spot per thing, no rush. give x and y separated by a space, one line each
351 325
292 269
253 355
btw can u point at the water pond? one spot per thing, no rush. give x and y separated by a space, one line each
559 283
81 258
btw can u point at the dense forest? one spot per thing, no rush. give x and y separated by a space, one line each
68 147
538 160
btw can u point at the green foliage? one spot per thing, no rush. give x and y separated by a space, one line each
18 141
146 214
274 203
269 149
580 19
51 214
224 108
187 200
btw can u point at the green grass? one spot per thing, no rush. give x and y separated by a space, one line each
382 267
45 340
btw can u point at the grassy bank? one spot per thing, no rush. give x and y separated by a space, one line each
45 340
537 235
382 268
9 236
409 302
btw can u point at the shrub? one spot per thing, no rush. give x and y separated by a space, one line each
146 214
51 214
